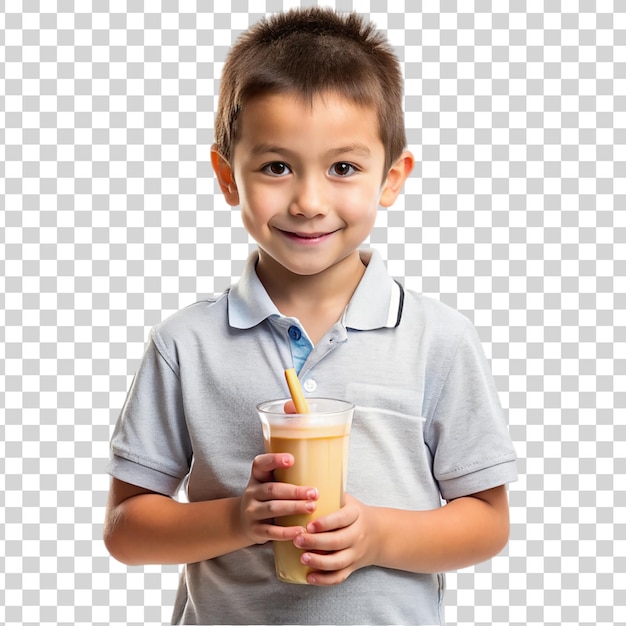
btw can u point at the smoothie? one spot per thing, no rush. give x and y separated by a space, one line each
320 449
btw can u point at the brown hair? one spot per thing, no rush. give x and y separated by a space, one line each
308 52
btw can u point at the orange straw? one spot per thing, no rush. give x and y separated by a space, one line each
295 390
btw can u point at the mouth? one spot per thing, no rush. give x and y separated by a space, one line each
307 238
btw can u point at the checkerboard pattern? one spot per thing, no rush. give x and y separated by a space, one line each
515 215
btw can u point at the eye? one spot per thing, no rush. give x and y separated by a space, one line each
276 168
342 169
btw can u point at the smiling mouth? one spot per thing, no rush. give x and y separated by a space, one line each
308 237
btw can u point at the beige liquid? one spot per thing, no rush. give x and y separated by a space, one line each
321 457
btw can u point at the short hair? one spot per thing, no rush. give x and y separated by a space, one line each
308 52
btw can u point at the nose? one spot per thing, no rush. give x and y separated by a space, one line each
308 200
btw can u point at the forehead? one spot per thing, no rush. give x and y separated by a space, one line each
287 115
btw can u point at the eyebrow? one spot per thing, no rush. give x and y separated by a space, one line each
355 148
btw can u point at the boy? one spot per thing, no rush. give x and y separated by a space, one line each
309 142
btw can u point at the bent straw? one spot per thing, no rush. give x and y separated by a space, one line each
296 391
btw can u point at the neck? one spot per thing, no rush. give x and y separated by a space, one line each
334 282
317 300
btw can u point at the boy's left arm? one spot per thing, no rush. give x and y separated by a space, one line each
464 532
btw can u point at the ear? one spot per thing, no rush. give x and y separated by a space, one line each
397 175
225 178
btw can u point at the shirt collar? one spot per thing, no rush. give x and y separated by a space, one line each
376 303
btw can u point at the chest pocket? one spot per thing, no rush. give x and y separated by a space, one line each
389 462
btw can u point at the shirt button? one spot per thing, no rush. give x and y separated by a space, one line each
310 385
295 333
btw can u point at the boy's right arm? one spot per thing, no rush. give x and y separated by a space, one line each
143 527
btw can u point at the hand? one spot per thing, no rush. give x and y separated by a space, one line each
338 544
263 500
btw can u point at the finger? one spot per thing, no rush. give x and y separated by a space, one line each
327 561
276 500
333 521
275 509
290 407
327 579
326 569
264 464
323 542
273 532
285 491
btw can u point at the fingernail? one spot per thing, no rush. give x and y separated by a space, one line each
299 541
305 559
312 494
311 506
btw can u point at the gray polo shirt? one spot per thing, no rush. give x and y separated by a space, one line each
428 426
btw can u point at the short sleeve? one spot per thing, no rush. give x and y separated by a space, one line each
150 446
466 430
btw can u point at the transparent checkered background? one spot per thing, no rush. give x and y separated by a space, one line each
515 214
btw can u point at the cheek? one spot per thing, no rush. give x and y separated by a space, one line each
255 202
360 205
258 208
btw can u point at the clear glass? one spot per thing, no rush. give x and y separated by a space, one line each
319 442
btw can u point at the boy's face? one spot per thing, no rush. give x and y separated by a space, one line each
307 179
